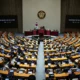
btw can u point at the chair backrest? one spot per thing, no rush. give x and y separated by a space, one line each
31 77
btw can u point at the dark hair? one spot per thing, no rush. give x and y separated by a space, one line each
31 77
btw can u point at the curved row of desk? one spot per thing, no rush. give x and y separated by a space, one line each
62 58
18 57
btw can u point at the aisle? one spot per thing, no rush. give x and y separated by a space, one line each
40 70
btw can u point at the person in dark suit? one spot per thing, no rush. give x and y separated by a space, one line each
49 61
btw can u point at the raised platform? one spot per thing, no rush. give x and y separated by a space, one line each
43 31
37 36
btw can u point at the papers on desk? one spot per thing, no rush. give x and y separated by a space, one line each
18 56
50 72
18 63
12 62
26 57
49 64
62 56
32 64
14 68
25 63
51 48
76 60
70 62
20 71
30 72
63 63
6 66
11 70
33 57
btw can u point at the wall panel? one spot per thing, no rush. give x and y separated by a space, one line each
12 7
69 7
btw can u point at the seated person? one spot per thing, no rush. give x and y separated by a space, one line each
17 58
50 71
22 70
31 63
31 71
47 56
65 69
58 70
49 61
33 56
66 61
23 61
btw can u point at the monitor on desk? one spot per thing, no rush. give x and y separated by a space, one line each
11 73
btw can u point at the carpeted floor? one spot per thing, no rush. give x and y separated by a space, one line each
40 69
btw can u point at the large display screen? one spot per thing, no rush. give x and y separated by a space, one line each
8 21
72 21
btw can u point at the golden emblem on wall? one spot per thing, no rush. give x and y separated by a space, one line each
41 14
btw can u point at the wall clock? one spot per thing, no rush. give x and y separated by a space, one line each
41 14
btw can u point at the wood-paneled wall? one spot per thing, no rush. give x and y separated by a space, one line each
12 7
69 7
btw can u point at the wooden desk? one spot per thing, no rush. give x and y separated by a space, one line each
1 62
62 75
24 65
75 57
47 75
62 39
68 40
71 42
22 74
69 52
66 65
49 54
30 59
27 66
57 59
77 73
52 66
4 55
55 54
6 50
16 74
49 50
7 56
76 45
4 72
33 50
